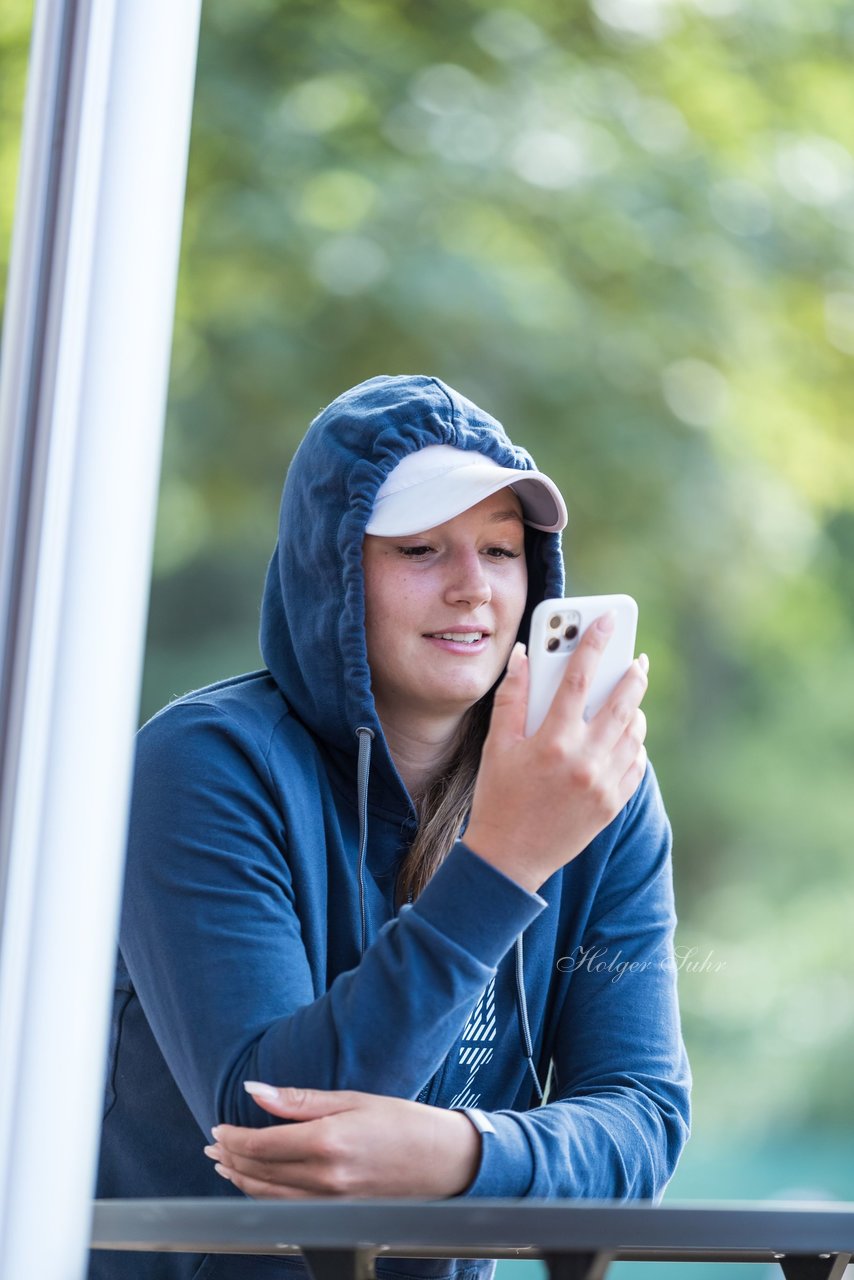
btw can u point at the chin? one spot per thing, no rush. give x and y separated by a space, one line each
458 701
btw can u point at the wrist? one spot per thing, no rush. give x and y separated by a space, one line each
487 846
481 1124
466 1144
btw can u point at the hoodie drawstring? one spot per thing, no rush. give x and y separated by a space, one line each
363 770
522 1006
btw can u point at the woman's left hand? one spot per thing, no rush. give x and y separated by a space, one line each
348 1144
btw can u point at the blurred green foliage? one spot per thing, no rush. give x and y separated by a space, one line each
626 227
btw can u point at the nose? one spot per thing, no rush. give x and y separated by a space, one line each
468 582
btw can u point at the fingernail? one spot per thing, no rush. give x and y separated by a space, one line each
516 656
644 662
223 1172
259 1090
215 1133
606 623
213 1153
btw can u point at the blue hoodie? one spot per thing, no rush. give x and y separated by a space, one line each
255 945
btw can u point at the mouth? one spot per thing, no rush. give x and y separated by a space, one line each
463 640
459 637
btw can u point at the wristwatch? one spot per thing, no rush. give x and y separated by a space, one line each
479 1119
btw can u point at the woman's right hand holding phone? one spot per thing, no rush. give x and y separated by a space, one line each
539 801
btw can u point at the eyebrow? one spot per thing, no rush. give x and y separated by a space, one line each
509 514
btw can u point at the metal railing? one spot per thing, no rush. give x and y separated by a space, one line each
577 1240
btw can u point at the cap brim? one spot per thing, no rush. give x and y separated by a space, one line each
442 497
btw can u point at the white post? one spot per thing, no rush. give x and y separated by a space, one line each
94 386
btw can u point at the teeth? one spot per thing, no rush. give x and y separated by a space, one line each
462 637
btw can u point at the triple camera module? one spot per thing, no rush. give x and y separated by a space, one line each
563 631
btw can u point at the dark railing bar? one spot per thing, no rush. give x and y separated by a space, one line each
502 1254
359 1264
824 1267
578 1266
340 1264
487 1228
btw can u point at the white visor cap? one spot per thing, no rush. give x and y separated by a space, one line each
436 483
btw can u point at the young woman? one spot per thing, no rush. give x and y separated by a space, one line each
360 901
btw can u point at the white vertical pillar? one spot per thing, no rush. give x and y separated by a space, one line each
91 382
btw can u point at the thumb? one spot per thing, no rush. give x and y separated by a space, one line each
510 704
298 1104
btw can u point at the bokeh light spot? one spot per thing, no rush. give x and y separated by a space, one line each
508 34
324 103
815 170
348 265
839 321
337 200
695 391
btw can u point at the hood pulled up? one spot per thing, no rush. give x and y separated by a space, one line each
313 611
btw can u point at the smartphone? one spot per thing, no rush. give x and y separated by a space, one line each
556 628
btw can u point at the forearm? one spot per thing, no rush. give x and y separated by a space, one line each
345 1143
617 1145
384 1026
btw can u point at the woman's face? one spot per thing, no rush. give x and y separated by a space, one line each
442 609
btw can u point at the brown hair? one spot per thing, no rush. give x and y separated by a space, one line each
443 807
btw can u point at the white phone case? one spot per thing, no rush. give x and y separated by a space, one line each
556 628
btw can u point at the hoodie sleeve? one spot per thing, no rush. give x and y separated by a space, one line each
620 1112
212 937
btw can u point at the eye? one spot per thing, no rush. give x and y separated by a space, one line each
502 553
415 553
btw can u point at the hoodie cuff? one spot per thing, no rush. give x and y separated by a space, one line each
476 905
506 1169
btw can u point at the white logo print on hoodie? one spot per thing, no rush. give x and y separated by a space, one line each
476 1046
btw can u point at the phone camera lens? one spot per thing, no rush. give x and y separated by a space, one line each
571 631
553 644
555 620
